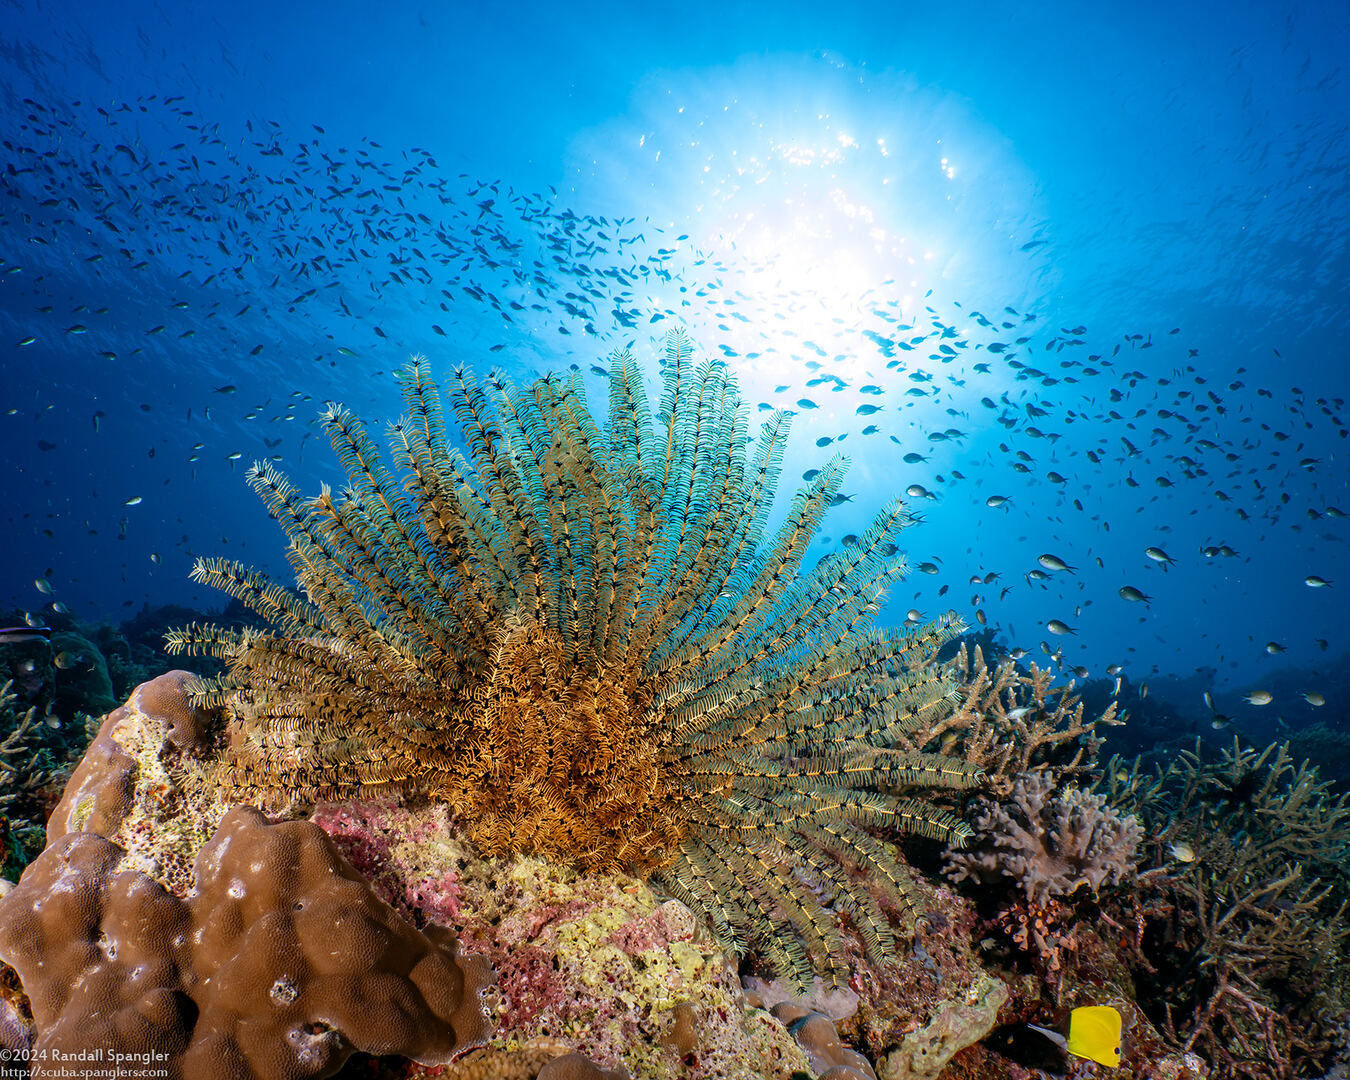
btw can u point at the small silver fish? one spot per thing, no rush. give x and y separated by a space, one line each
1182 852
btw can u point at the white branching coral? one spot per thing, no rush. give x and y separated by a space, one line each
1048 843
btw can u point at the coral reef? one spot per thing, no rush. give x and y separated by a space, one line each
80 668
1239 923
131 857
601 964
562 693
26 668
1328 746
58 682
916 1014
83 684
540 1063
594 963
1043 860
1047 843
925 1052
22 779
139 783
585 646
578 1067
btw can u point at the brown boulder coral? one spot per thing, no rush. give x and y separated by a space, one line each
260 954
279 965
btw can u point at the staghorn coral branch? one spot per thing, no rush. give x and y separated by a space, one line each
20 772
1010 723
1247 888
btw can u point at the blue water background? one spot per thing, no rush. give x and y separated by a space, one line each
1161 186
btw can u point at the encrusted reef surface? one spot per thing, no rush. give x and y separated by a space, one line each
159 920
595 963
602 965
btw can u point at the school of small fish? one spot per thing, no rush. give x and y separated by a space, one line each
349 255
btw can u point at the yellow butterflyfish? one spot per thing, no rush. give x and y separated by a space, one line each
1094 1033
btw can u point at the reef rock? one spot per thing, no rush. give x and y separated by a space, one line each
595 963
960 1022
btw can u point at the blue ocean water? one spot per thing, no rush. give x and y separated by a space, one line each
1089 263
